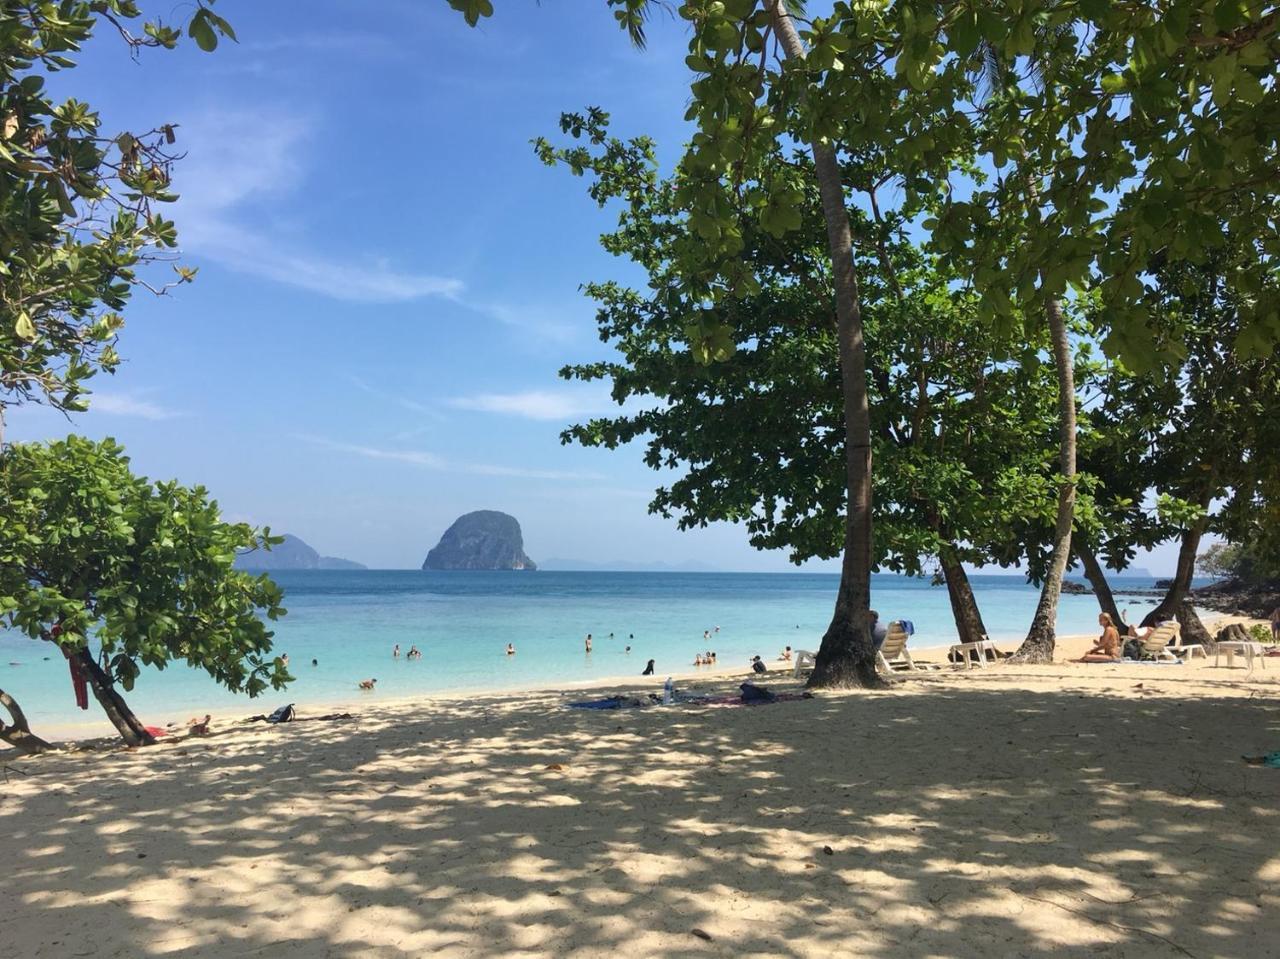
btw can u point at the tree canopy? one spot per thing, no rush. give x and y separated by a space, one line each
80 208
92 555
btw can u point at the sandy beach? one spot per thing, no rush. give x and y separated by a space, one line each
1068 810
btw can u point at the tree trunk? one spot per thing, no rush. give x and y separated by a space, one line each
1175 602
964 607
18 732
127 724
1038 646
846 656
1097 579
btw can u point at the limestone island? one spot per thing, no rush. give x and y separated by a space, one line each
485 539
293 553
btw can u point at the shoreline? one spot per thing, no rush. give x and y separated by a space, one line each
88 734
1065 809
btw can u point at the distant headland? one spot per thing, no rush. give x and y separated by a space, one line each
485 539
293 553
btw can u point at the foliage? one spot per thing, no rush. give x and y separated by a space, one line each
961 419
1261 634
90 552
78 207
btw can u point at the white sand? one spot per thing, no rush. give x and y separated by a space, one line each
1061 810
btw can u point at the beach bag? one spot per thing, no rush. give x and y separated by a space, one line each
285 714
751 693
1132 649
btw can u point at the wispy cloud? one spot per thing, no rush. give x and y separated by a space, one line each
534 404
120 404
414 406
236 160
433 461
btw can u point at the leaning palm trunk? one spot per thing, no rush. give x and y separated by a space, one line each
1177 600
964 606
1038 646
1097 578
846 656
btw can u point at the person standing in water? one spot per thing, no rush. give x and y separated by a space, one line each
511 650
395 653
588 642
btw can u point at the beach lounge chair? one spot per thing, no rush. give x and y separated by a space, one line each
892 654
804 659
1156 645
969 655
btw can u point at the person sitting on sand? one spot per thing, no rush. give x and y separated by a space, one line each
785 655
198 727
757 664
648 669
1107 648
368 684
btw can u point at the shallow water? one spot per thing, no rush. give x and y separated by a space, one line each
348 621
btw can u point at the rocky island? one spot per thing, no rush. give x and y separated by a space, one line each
485 539
293 553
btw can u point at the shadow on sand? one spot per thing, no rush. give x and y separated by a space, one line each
940 819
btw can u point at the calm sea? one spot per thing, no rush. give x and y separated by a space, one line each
348 622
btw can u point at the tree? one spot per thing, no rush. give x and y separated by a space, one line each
91 554
78 208
959 418
1215 460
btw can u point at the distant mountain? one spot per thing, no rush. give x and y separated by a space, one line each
628 566
293 553
485 539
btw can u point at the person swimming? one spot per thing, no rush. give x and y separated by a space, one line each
511 649
648 669
368 684
697 659
315 662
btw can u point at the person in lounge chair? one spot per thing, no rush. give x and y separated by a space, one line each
879 630
1107 648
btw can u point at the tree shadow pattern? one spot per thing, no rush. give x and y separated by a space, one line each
947 817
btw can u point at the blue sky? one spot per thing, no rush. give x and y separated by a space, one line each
388 277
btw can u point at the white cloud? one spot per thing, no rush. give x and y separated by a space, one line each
434 462
238 159
534 404
119 404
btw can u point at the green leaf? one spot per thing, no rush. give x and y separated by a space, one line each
23 326
200 31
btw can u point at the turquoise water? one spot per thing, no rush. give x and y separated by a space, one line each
348 621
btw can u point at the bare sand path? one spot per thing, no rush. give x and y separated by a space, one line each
1063 810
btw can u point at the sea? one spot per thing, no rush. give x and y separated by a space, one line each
342 627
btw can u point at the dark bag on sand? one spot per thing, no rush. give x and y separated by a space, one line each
1132 649
285 714
751 693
